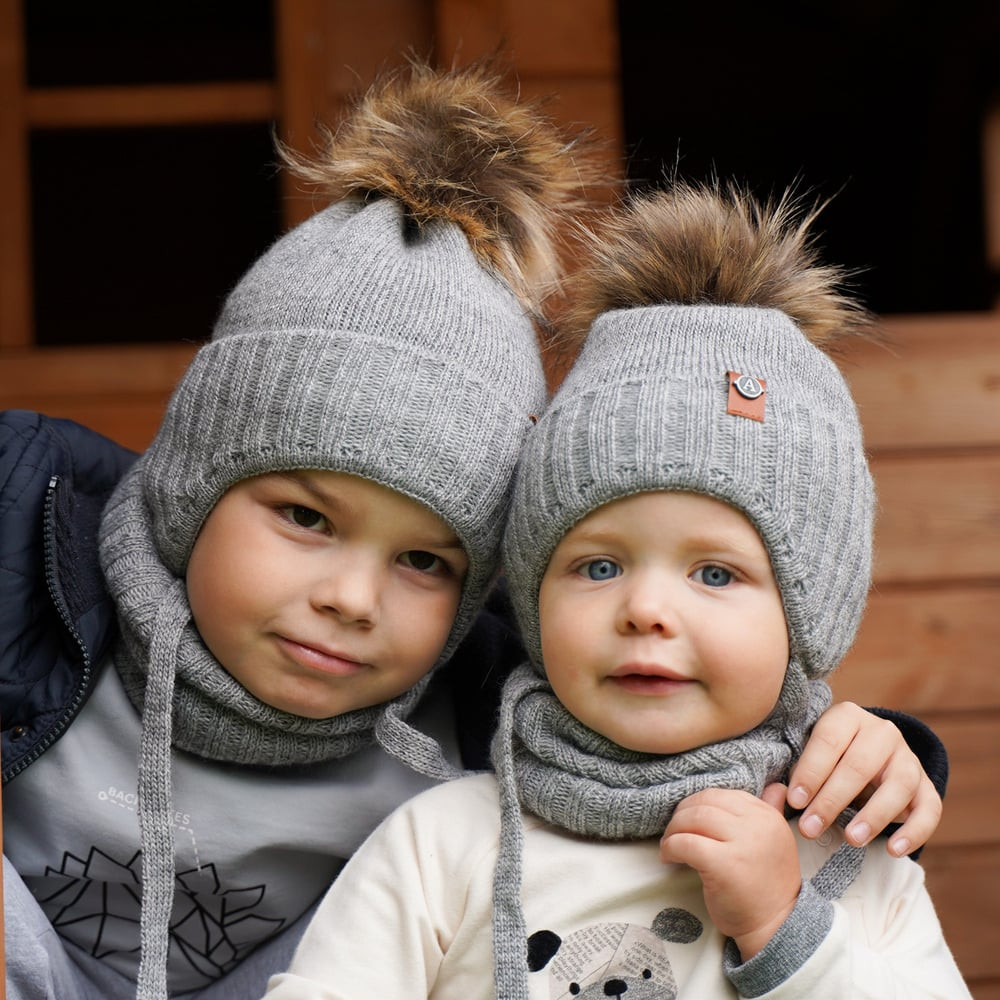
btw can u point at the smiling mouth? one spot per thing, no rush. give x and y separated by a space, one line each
325 661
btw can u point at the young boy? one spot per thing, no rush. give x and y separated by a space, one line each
201 728
688 551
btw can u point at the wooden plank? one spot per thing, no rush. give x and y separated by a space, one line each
972 802
939 517
468 29
301 56
362 39
926 649
991 184
175 104
327 50
31 378
15 234
582 104
564 39
120 391
984 989
935 383
567 51
965 886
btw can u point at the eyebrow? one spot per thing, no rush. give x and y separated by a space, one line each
716 543
302 479
306 482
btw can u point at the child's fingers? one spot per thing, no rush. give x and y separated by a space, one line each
836 766
922 821
879 760
774 795
895 798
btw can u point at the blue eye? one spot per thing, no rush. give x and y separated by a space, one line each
714 576
601 569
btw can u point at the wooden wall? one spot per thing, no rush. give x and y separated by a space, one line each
930 642
325 50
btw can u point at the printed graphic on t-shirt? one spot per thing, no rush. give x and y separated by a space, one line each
612 959
95 899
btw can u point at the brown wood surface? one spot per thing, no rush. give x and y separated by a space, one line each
15 238
965 886
991 183
929 400
934 382
176 104
930 649
939 516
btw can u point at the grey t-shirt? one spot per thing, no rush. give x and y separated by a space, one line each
255 847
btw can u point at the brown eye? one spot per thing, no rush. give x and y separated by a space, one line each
305 517
424 562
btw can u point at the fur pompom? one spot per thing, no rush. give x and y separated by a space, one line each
455 146
699 244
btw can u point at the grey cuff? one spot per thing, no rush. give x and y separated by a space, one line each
791 947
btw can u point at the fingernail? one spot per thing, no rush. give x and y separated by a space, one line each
798 797
859 833
811 826
899 846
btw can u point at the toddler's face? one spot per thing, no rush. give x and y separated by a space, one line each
661 622
322 592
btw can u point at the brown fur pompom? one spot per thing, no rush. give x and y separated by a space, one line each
455 146
701 244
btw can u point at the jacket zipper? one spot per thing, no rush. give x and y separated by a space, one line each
49 538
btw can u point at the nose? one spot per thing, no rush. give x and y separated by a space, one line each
348 587
648 607
615 987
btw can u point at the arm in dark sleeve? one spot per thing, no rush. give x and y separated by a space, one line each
476 674
921 739
930 751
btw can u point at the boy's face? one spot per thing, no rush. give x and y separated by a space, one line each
322 592
662 625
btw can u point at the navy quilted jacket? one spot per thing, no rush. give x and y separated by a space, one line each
56 619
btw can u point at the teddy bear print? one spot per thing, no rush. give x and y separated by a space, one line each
621 961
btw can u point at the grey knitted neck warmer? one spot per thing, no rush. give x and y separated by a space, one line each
552 765
188 700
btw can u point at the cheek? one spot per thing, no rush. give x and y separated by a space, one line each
216 583
561 627
765 669
424 626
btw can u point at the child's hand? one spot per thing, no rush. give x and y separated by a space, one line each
850 754
745 853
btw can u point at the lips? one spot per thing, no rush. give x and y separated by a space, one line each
648 679
316 658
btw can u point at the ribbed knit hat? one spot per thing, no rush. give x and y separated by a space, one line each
389 336
704 371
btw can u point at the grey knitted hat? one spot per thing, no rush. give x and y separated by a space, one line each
353 345
711 382
391 335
